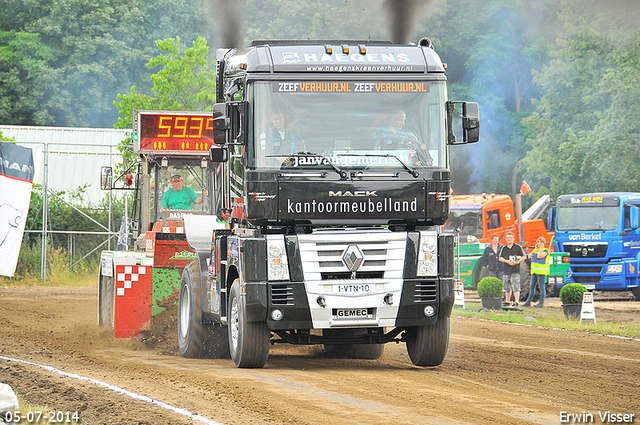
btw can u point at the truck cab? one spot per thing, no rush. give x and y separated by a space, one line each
331 165
599 232
476 217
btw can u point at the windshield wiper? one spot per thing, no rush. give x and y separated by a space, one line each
411 171
326 160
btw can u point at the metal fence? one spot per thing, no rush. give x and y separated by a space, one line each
81 247
63 166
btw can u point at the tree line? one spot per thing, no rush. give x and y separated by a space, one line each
557 82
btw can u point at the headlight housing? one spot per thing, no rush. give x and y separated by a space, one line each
428 254
277 261
614 268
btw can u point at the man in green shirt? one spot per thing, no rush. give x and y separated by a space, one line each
179 197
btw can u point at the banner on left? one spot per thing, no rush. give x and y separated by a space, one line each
16 180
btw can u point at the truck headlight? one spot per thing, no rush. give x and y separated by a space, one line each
428 254
614 268
277 261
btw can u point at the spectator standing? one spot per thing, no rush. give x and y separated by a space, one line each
539 269
491 258
511 255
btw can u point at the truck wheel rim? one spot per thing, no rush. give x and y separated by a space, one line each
234 325
184 312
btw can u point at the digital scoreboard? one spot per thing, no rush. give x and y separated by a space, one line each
176 132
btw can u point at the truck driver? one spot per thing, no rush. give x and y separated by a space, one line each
180 197
395 136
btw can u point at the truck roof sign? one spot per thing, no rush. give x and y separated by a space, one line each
376 59
589 199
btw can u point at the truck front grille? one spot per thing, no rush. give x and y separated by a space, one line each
586 250
348 275
586 279
281 295
425 292
580 269
321 254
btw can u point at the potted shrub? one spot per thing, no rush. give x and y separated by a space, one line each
490 292
571 297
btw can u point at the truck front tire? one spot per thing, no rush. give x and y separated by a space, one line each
427 345
636 293
195 339
248 341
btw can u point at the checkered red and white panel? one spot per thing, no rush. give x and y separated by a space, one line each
129 276
133 298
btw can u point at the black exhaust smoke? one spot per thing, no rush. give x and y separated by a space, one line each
226 17
402 17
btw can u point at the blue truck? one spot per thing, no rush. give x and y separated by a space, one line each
600 232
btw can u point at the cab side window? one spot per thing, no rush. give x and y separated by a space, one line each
493 219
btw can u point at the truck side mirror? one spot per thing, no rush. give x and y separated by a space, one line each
551 219
106 178
471 122
237 112
220 123
634 219
218 154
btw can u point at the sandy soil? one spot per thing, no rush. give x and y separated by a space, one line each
494 373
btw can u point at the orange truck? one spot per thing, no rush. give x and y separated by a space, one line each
480 216
476 217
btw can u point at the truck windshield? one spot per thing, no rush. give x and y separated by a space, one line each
469 221
181 187
587 218
355 125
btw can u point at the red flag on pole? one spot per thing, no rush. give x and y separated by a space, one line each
525 188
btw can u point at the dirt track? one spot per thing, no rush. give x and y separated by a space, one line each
494 373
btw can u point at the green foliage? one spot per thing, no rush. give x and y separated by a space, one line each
490 287
554 318
26 78
6 139
583 134
63 62
491 48
557 82
572 293
185 82
29 268
314 20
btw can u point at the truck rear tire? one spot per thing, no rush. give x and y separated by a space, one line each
525 282
195 339
427 345
552 290
106 288
478 274
636 293
248 341
351 351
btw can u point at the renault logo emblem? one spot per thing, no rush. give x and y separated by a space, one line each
352 257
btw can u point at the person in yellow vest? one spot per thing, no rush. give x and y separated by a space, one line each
539 269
